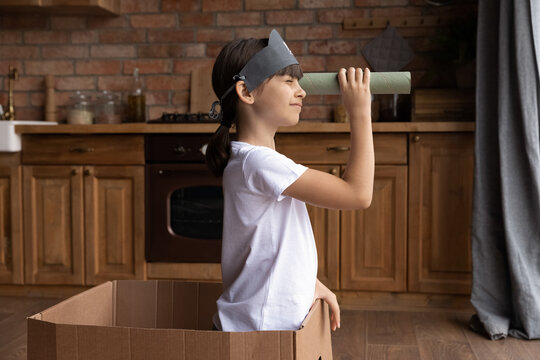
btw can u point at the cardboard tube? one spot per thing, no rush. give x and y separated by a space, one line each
398 82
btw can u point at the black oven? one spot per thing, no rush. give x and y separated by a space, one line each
184 201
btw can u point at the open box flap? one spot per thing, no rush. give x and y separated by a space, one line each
313 340
91 307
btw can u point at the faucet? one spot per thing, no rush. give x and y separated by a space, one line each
13 75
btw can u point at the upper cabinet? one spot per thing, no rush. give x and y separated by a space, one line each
62 7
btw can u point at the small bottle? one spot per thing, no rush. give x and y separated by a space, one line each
136 103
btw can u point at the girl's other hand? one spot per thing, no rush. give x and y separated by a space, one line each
355 92
322 292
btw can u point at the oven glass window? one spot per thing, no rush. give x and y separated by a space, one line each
197 212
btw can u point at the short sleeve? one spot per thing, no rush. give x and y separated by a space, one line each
269 172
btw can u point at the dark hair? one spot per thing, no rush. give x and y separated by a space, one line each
232 58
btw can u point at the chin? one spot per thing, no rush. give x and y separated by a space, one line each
294 121
289 122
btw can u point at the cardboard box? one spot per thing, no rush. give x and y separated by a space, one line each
163 319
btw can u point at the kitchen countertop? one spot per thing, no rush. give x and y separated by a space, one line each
302 127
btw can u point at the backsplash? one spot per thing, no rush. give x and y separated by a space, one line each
168 39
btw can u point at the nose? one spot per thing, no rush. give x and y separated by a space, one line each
301 93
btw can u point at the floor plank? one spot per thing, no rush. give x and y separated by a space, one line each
505 349
390 328
440 337
350 339
392 352
14 312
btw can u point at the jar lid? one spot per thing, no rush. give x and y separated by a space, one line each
106 95
80 98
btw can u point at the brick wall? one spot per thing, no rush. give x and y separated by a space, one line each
167 39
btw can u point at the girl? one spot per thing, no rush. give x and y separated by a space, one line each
269 258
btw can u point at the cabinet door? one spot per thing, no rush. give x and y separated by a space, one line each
325 224
373 241
11 262
440 209
53 225
114 209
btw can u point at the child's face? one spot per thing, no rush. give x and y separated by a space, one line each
279 100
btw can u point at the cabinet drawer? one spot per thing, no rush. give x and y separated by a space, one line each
83 149
390 149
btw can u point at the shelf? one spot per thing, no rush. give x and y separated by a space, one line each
302 127
61 7
396 21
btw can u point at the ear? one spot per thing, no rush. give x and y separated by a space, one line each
243 93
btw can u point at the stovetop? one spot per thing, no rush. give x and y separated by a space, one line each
182 118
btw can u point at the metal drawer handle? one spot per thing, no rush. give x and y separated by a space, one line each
338 148
81 150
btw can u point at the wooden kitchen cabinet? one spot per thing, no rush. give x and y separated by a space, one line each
373 241
370 257
440 212
54 225
84 224
114 223
11 241
83 211
326 229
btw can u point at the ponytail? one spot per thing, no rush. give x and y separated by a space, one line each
218 150
229 62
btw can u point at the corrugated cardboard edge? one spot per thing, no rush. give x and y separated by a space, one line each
78 304
313 341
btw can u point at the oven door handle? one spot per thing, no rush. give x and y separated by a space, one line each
168 172
179 149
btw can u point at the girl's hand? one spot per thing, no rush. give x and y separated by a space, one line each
354 85
322 292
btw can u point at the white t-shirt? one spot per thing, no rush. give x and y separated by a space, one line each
269 257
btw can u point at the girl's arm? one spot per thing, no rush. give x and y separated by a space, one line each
355 189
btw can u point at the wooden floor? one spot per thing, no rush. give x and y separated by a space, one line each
408 335
13 313
364 334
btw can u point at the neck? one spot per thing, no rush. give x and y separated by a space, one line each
256 136
253 131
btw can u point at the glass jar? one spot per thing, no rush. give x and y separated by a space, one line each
394 107
108 109
80 109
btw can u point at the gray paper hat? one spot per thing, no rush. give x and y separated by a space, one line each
265 63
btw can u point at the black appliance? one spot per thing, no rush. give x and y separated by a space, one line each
184 201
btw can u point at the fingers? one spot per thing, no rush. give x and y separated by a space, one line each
336 316
342 77
358 75
367 77
322 292
353 76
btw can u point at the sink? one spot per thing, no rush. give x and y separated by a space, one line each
9 140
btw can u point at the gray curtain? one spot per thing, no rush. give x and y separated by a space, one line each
506 205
